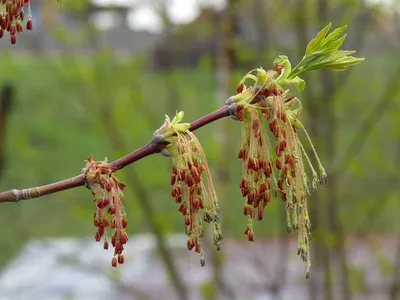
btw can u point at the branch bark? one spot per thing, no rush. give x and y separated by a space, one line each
15 195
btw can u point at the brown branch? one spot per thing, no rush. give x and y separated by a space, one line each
151 148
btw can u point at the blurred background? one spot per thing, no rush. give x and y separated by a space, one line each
96 77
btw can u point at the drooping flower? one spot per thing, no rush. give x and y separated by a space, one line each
110 212
273 164
191 182
12 16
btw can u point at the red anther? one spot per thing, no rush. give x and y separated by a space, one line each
173 192
123 238
240 88
263 188
121 259
250 236
114 262
124 223
278 164
101 230
173 179
105 245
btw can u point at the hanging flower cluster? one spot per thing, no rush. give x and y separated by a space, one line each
107 190
273 163
12 16
192 187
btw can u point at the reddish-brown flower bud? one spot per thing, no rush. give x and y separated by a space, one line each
121 259
97 237
256 124
263 188
114 262
101 229
282 145
250 236
182 175
173 179
260 212
195 174
178 189
278 164
240 115
276 132
123 237
240 88
13 39
187 220
245 210
108 186
272 124
197 247
173 192
196 203
105 245
190 180
29 24
124 223
251 197
113 240
112 210
287 158
241 153
279 184
174 170
182 209
283 116
277 150
251 163
121 185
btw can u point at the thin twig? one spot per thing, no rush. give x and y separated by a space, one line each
151 148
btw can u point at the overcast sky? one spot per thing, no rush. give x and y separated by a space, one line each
143 15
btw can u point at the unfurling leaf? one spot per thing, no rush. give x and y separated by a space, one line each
322 52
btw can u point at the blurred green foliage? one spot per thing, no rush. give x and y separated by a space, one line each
68 108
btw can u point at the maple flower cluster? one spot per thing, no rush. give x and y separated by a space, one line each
274 160
192 187
107 192
12 16
273 164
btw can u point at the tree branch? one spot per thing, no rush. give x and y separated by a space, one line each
151 148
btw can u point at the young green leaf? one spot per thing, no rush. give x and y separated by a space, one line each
322 52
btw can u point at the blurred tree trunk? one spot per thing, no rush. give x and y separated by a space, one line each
261 14
226 64
6 102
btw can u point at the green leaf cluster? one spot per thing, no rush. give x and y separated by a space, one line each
323 52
